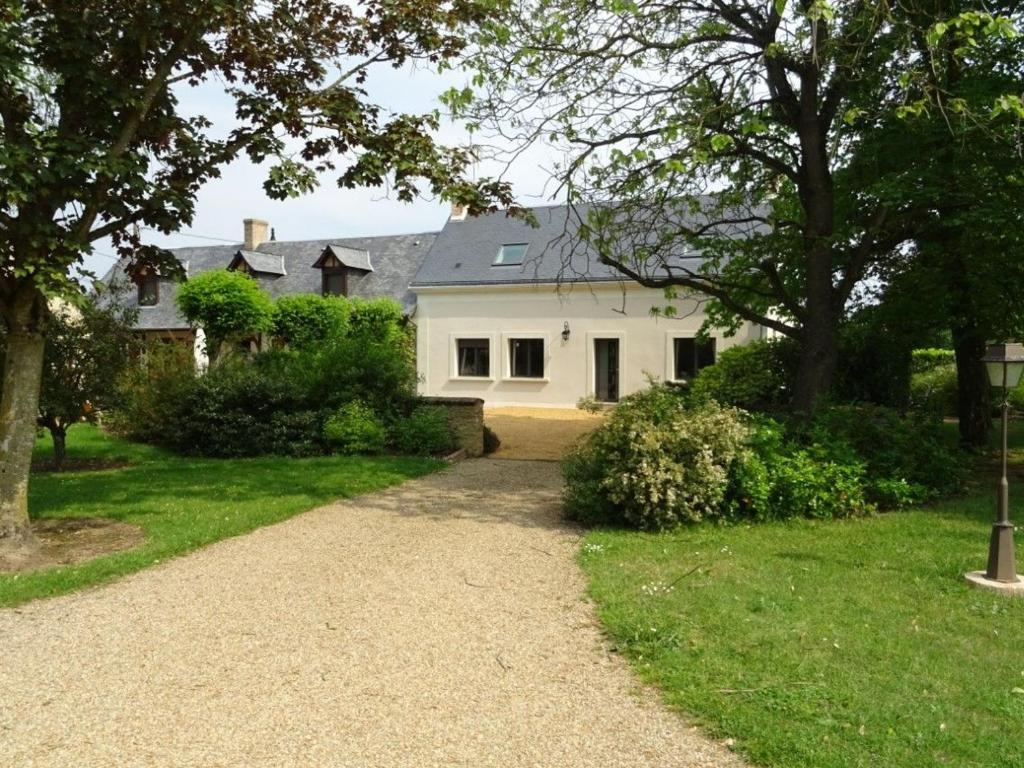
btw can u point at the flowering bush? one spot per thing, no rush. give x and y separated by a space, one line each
657 462
654 463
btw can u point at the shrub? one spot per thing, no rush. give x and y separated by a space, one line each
425 432
933 389
909 459
304 320
658 462
929 358
654 464
148 392
750 376
776 478
355 428
275 403
242 409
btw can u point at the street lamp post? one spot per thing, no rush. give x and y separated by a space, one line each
1005 363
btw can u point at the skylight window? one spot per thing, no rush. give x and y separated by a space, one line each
511 254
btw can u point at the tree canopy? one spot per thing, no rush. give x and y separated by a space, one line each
720 130
97 134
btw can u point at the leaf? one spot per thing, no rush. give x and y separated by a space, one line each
780 7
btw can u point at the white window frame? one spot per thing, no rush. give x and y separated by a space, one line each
501 251
506 357
453 355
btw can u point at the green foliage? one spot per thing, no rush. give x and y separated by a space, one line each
908 459
227 305
305 320
929 358
354 428
933 388
425 432
237 409
777 478
657 462
653 464
149 391
275 403
874 359
752 376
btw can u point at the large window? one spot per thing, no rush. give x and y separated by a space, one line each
511 254
335 282
692 355
474 356
526 358
149 291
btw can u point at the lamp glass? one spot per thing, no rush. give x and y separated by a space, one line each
995 373
1013 373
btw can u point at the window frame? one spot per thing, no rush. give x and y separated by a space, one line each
499 261
672 366
509 339
326 273
152 281
481 342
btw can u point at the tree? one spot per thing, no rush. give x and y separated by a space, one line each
229 306
304 321
713 129
88 347
961 172
94 138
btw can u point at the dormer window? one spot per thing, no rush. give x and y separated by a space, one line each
336 264
511 254
334 281
149 290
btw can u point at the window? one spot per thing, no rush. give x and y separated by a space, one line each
149 291
335 282
691 356
526 358
474 357
511 254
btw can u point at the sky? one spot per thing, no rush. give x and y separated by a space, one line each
329 211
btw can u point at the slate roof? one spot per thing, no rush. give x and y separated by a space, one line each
351 257
395 259
266 263
464 251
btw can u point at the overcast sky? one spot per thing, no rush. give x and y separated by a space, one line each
329 211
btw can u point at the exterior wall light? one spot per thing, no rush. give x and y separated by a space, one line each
566 332
1005 363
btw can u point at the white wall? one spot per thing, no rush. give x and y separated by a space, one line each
604 310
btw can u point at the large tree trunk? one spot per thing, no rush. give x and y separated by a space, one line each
972 400
19 409
818 359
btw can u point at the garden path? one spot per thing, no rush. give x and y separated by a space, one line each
439 623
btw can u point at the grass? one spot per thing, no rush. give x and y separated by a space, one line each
182 504
849 643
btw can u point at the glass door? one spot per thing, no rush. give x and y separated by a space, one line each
606 370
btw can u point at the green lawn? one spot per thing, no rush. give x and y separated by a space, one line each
853 643
182 504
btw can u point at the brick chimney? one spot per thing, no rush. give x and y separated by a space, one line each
255 233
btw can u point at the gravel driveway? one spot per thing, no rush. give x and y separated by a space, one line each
440 623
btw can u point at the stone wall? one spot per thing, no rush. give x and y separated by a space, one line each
466 418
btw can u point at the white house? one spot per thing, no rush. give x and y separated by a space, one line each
505 312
